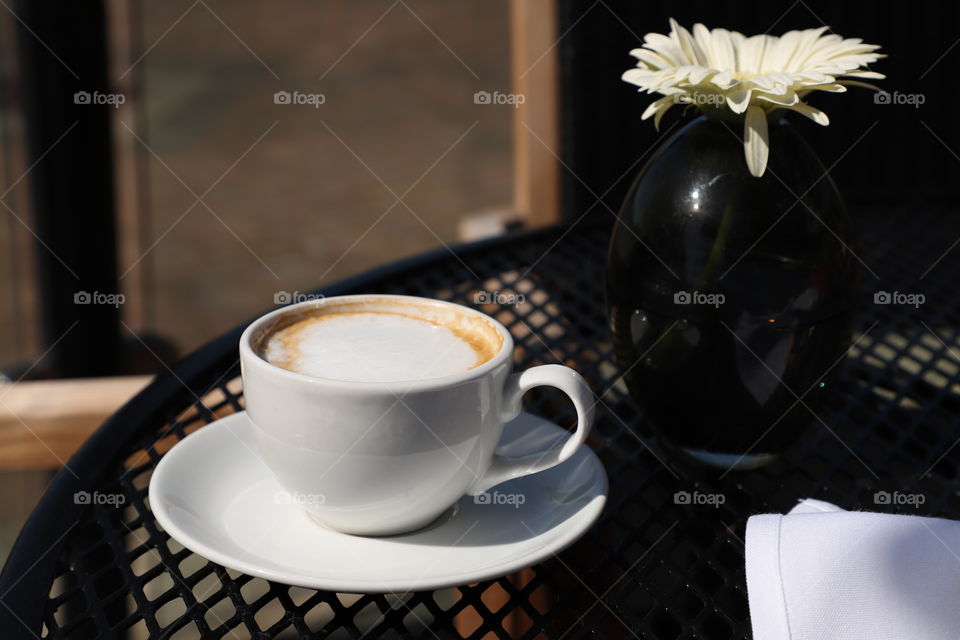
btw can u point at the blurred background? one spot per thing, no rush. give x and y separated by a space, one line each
285 190
172 169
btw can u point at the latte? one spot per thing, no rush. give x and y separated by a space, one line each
378 346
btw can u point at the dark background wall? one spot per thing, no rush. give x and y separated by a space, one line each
901 157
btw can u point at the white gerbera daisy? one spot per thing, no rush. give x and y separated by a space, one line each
715 69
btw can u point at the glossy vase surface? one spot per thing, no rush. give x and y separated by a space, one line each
731 298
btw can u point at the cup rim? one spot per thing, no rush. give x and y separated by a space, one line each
249 357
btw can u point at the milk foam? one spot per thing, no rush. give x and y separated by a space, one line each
370 346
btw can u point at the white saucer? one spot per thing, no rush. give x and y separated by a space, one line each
212 494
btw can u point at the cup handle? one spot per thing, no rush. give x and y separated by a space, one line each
504 468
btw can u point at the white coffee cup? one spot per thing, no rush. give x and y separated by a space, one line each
381 458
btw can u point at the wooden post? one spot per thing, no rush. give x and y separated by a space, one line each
533 26
24 301
123 27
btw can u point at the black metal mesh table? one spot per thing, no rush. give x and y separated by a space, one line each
652 567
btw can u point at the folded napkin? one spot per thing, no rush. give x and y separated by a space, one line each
822 573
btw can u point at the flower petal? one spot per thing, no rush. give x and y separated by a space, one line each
738 101
857 83
756 142
725 58
699 74
686 43
657 108
811 112
785 99
650 59
833 87
751 56
639 77
870 75
664 46
724 80
705 41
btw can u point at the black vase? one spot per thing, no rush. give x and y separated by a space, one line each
731 298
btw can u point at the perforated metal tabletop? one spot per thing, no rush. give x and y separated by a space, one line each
654 566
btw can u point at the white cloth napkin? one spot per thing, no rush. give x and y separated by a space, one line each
822 573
